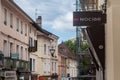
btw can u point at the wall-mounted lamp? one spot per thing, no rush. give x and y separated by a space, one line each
52 51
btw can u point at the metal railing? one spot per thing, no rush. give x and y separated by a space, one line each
16 64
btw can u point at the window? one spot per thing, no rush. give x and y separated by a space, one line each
21 27
21 53
17 49
35 33
33 65
25 29
35 45
5 47
44 67
44 48
30 64
11 48
48 50
30 29
55 67
52 66
92 4
30 42
26 52
11 20
5 16
49 67
17 24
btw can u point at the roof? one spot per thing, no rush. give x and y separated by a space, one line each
65 51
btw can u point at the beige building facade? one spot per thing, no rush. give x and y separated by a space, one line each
72 70
45 64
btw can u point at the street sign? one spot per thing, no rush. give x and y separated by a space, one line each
88 18
14 55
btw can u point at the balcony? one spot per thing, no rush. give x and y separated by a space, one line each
16 64
32 49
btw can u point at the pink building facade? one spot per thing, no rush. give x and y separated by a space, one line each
15 43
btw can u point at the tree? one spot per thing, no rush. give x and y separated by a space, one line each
84 46
71 45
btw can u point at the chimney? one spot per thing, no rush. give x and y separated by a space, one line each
39 21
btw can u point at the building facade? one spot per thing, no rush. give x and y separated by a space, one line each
67 65
112 46
45 60
14 41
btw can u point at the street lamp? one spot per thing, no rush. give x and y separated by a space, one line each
52 51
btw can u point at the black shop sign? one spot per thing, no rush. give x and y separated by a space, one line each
88 18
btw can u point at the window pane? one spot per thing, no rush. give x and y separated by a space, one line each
11 48
44 48
21 52
30 64
21 27
11 20
5 47
25 29
33 64
5 16
17 24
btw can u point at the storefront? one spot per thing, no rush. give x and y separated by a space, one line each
54 76
45 77
23 75
7 75
34 76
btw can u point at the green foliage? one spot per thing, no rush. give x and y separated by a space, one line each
84 62
84 46
71 45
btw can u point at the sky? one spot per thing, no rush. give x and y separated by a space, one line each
56 15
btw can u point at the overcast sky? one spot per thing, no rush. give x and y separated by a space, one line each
56 15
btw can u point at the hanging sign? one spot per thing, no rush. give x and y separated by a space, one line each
88 18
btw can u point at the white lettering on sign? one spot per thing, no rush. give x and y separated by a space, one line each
90 19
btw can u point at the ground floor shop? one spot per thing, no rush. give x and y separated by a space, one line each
50 77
